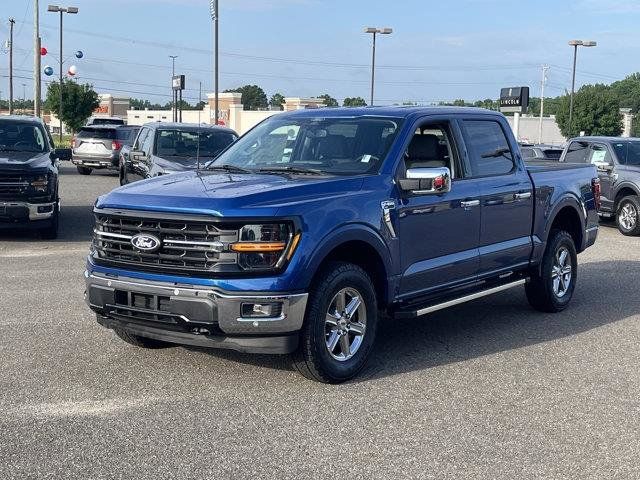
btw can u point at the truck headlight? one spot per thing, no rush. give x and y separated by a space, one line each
265 246
40 183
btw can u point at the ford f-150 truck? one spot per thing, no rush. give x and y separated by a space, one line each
301 236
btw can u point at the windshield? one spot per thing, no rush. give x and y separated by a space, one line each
338 145
21 137
628 153
184 143
107 121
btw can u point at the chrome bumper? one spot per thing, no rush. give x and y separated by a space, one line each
199 306
31 207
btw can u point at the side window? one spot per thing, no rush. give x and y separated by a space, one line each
146 144
599 155
489 149
432 147
528 153
577 152
140 140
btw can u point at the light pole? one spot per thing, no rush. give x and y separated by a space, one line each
214 10
545 68
61 10
575 44
173 92
374 31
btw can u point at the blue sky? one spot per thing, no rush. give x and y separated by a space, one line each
438 51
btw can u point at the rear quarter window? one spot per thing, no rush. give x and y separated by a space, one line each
577 152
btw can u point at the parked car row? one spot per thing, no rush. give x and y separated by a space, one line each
98 146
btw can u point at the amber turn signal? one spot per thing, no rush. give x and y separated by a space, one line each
257 247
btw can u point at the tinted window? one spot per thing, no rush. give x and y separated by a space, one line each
141 138
488 147
552 153
21 137
577 152
599 155
527 152
628 153
335 145
101 133
107 121
127 135
147 144
192 143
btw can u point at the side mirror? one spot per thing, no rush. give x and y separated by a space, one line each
604 167
136 155
62 153
426 181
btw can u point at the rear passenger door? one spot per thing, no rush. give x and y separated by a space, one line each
600 156
506 196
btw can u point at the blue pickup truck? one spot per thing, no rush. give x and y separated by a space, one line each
317 224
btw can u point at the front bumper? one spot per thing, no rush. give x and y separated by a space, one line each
191 315
19 212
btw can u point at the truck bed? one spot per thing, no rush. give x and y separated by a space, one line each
538 166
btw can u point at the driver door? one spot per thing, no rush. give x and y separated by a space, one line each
600 156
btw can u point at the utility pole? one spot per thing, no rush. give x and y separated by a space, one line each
11 23
174 95
545 68
215 14
36 59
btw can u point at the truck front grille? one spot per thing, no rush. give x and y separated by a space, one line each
12 185
185 246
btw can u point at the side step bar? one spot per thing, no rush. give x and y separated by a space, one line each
464 299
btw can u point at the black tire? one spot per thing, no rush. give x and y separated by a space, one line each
313 358
123 176
51 232
541 291
84 170
141 342
628 215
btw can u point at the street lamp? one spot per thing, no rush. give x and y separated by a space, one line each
215 13
61 10
575 44
374 31
174 107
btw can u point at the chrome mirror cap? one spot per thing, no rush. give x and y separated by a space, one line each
426 181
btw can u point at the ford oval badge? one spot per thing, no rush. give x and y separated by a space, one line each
145 243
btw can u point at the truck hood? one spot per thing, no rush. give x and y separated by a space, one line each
228 195
24 160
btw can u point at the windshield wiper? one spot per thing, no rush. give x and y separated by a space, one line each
308 171
229 168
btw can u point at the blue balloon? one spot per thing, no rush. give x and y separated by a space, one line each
79 54
48 71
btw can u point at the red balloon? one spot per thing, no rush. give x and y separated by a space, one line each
43 51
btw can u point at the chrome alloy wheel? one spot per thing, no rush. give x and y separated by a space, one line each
345 324
628 216
561 272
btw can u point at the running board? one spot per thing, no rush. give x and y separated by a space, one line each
457 301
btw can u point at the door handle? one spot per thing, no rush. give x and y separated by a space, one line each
522 195
469 203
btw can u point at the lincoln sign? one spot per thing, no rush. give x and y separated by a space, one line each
514 99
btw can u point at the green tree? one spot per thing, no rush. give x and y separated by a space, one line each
354 102
276 101
329 101
78 102
596 111
253 97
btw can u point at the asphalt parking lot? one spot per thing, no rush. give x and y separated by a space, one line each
491 389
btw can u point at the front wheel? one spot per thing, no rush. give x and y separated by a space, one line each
551 287
628 215
340 325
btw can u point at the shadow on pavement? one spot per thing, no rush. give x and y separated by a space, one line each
491 325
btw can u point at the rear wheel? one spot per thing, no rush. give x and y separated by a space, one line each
123 176
551 287
628 215
84 170
340 325
141 342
